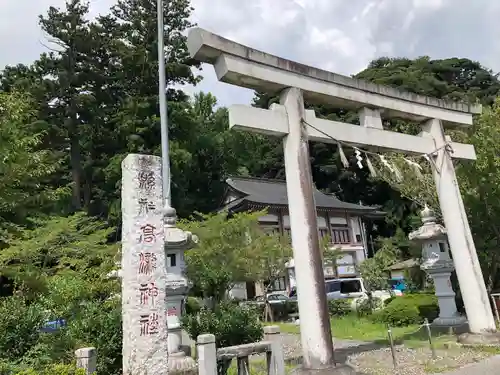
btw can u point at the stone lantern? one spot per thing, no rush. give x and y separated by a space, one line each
177 242
437 264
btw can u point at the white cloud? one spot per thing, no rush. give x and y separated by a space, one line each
337 35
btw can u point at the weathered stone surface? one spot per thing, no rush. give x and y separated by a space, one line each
337 370
86 359
143 268
208 47
179 363
431 230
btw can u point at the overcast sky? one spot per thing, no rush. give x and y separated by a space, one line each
338 35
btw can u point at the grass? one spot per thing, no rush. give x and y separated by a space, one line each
257 367
352 327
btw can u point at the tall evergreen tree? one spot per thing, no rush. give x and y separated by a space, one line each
68 32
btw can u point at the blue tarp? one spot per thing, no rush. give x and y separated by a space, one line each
53 325
398 283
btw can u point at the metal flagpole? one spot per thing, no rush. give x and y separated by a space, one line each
162 97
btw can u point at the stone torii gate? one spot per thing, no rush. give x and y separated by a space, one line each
243 66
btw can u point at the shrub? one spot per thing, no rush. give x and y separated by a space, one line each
389 300
257 308
231 325
339 307
367 306
282 311
58 369
99 324
427 305
51 369
409 309
193 305
399 314
20 326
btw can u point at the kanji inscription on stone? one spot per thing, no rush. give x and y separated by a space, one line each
149 324
148 233
149 293
147 262
145 206
144 307
147 180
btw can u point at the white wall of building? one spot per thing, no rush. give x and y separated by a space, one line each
239 291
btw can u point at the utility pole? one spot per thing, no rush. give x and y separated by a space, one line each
162 98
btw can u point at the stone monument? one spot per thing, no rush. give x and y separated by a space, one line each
143 269
436 262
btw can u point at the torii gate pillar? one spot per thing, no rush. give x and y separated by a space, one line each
468 269
316 335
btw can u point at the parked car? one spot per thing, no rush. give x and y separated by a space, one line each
354 288
274 298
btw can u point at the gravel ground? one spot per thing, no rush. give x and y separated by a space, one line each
292 347
370 359
414 361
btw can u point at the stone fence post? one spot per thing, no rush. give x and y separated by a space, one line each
276 358
207 354
86 358
271 333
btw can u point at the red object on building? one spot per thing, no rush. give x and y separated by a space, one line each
172 312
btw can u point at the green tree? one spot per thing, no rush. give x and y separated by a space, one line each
275 252
24 166
479 183
374 271
331 256
453 78
68 32
231 250
75 245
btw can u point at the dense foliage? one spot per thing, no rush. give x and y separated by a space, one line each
231 250
409 309
339 307
231 324
68 119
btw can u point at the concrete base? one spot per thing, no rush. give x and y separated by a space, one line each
480 339
179 363
339 369
450 330
449 322
451 326
186 349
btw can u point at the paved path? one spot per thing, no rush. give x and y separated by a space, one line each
490 366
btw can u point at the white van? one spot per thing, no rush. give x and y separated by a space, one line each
354 288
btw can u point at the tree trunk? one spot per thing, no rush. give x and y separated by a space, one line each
87 188
73 131
76 167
